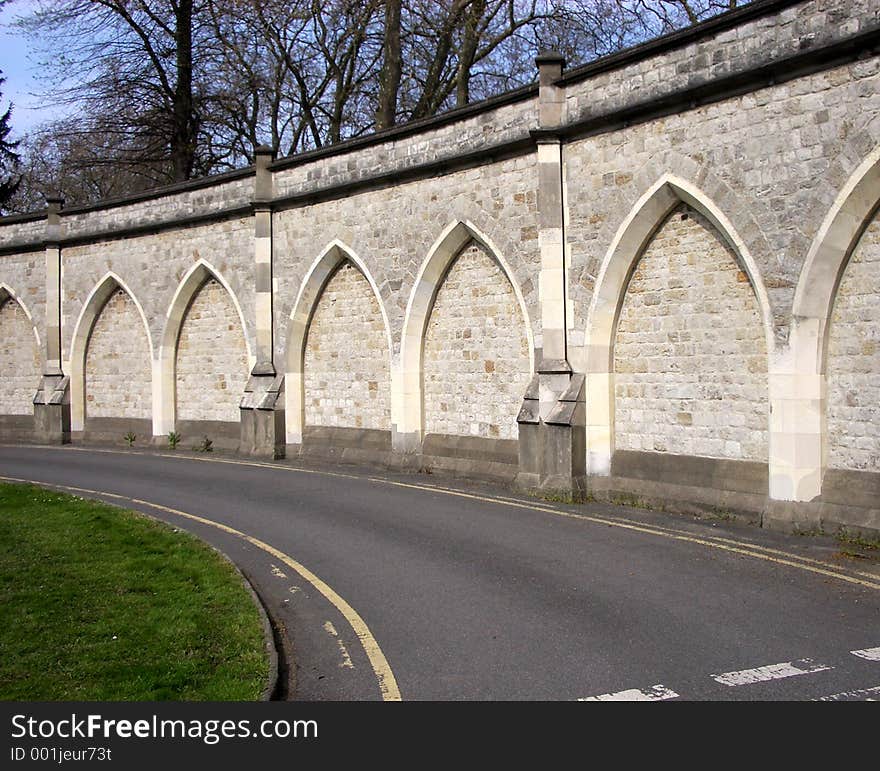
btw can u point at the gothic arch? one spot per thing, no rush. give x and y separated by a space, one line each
82 331
408 417
321 271
6 293
820 277
164 408
17 388
626 248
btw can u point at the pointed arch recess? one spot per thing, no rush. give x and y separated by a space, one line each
164 374
312 288
82 331
7 294
409 412
627 247
837 237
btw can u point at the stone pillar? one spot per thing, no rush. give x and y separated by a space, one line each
798 416
551 421
52 400
262 405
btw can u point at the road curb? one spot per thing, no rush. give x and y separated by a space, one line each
272 679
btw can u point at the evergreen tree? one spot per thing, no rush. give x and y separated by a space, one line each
9 159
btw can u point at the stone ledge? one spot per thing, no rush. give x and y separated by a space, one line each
17 428
678 498
113 430
472 448
224 435
748 477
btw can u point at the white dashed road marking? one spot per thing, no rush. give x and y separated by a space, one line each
871 654
770 672
346 658
866 694
654 693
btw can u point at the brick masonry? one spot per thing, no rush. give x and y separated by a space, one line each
476 359
690 359
212 365
854 360
19 360
347 380
118 382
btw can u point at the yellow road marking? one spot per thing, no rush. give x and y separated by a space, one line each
723 544
387 682
665 528
738 548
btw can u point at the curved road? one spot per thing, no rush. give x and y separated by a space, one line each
422 588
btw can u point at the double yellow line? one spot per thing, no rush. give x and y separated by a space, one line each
387 683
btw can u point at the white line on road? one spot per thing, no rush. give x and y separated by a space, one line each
770 672
346 658
871 654
866 694
654 693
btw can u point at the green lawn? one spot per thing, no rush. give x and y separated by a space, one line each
97 603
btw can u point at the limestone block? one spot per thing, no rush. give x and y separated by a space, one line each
212 363
118 373
346 364
707 397
853 365
19 360
476 359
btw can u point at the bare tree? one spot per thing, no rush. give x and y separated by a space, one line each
392 66
127 68
165 90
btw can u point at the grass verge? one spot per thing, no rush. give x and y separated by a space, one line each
98 603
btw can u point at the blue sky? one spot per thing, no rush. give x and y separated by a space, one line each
19 70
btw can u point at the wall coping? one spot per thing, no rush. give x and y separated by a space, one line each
711 90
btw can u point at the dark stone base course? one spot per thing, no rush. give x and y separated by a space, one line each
850 502
367 446
17 428
223 435
113 431
471 456
686 485
464 456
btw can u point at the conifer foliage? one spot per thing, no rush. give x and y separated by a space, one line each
9 159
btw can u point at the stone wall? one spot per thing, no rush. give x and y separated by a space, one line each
19 359
152 268
476 356
854 360
445 138
212 363
763 126
772 160
392 230
690 360
346 366
118 373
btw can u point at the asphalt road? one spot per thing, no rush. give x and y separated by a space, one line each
423 588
